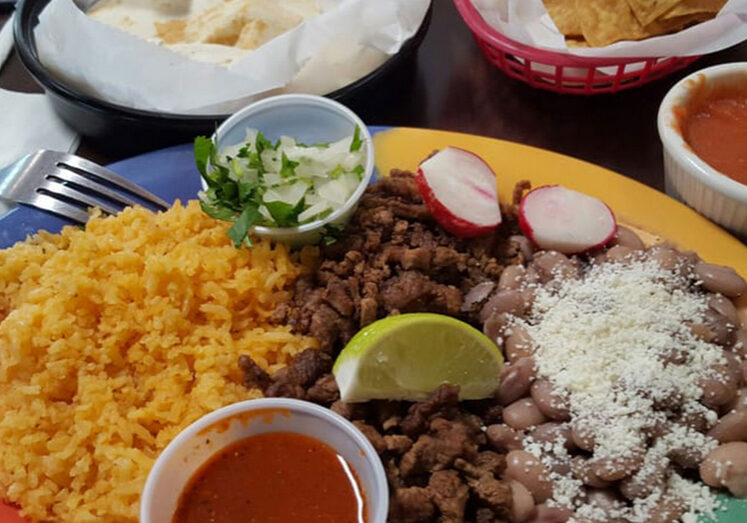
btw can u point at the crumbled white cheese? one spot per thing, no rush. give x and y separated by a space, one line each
603 339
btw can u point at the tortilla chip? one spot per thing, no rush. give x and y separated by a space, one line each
576 42
172 31
690 7
563 14
678 23
646 11
607 21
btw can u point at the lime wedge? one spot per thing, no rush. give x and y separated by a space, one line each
408 356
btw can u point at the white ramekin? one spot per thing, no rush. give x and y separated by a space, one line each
309 119
215 431
689 178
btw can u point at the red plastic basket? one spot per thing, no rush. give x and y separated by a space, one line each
563 72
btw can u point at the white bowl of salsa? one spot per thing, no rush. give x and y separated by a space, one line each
268 460
703 128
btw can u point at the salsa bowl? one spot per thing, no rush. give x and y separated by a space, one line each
688 177
206 437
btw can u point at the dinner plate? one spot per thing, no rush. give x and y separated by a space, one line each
171 174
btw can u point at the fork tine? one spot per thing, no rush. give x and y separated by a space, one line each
81 164
53 205
68 192
77 179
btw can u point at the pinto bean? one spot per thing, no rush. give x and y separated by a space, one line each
530 472
641 484
495 325
552 264
603 498
582 471
512 277
508 301
552 432
478 293
738 403
553 404
725 307
620 254
582 437
668 510
674 356
627 238
518 343
696 420
522 502
739 345
503 438
726 466
616 468
720 387
545 514
714 328
667 258
516 381
687 456
732 427
720 279
523 414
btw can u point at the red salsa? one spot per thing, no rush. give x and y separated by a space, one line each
714 125
276 477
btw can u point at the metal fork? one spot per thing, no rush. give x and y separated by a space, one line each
67 185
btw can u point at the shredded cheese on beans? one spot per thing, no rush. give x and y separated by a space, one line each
603 339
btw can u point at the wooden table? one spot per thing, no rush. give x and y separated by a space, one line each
455 88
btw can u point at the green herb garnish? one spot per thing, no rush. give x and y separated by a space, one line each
356 143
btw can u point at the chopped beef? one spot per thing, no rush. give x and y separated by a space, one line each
413 291
324 390
372 435
349 411
292 381
327 326
411 505
449 493
519 189
303 371
490 491
397 443
393 258
254 376
490 461
442 402
485 515
445 441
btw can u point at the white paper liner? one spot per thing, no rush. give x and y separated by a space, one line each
349 39
527 22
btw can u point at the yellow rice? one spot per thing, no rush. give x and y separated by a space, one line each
115 338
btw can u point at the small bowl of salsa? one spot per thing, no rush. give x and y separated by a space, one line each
268 460
703 127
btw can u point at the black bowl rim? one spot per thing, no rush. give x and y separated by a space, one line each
23 33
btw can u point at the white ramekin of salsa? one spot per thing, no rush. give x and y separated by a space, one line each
703 127
271 460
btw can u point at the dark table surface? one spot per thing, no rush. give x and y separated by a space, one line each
455 88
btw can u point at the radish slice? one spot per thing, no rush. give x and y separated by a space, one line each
560 219
459 190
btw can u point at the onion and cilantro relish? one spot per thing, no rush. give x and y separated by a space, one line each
281 184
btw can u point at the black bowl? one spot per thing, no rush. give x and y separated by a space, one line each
108 123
